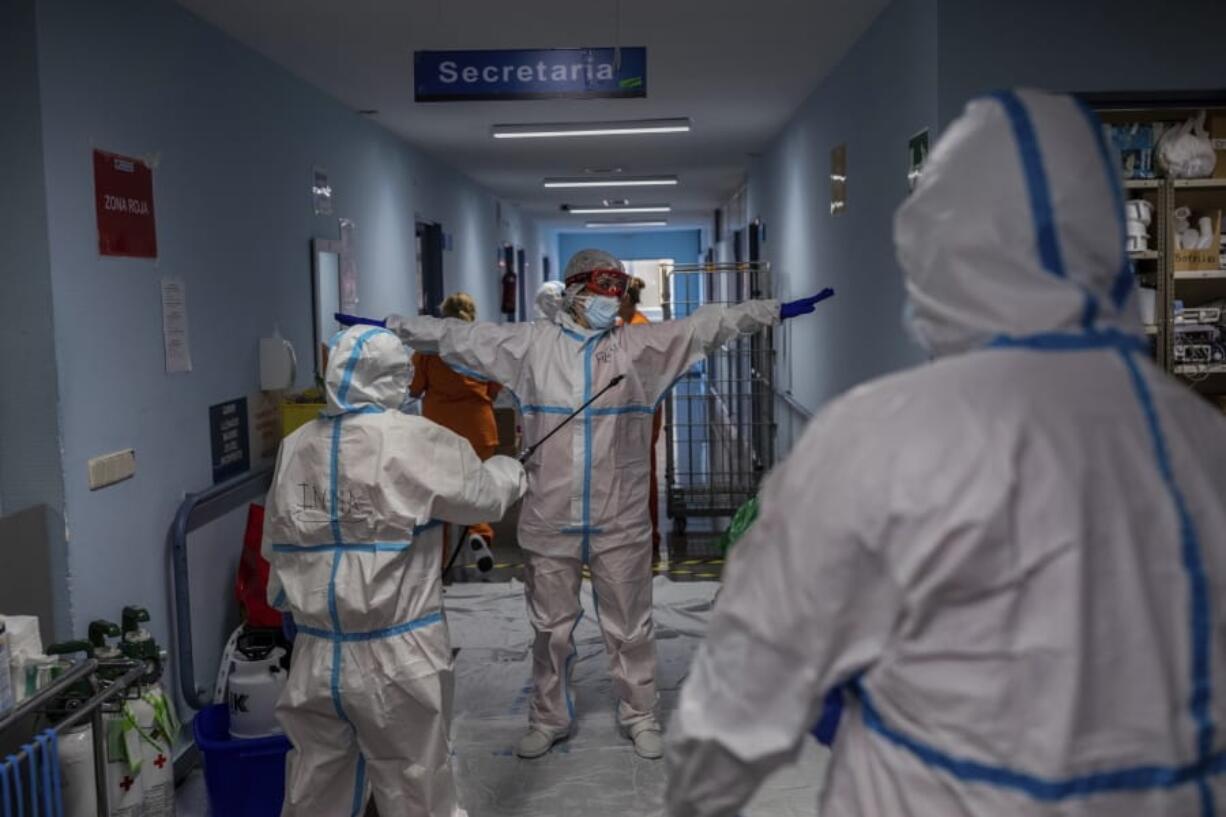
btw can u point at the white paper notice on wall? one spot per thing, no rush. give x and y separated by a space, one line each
174 326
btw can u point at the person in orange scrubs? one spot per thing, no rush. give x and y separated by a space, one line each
631 315
462 404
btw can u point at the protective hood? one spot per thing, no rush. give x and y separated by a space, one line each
549 299
368 371
591 259
1016 228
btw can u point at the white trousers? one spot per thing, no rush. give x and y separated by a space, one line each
621 584
391 733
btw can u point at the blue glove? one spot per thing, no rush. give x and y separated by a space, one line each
288 628
828 725
354 320
802 306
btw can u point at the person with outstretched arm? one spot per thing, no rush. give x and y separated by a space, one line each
587 486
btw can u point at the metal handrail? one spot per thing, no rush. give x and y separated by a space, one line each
79 670
196 511
136 670
793 403
719 266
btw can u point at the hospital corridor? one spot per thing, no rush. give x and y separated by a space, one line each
461 408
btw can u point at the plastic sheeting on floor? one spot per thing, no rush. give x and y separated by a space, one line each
596 772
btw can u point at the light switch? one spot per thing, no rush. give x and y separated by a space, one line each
111 468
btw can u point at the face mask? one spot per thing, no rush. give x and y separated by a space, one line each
600 311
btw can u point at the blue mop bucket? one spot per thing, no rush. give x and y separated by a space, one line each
245 778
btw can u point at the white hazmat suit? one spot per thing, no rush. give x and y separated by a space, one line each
1013 559
587 485
352 531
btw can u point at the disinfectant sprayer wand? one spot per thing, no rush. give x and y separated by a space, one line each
530 450
527 455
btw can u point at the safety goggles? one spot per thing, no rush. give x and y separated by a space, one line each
610 282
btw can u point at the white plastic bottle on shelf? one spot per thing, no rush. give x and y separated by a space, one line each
6 682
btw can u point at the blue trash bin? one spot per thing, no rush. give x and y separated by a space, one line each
245 778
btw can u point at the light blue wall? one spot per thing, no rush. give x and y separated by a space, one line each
680 245
915 68
26 425
1083 46
235 139
522 232
883 92
30 471
551 245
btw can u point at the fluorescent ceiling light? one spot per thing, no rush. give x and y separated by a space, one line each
596 211
596 224
612 181
561 129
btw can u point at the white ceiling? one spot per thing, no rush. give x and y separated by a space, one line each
737 68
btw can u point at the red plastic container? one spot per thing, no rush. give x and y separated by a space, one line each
251 580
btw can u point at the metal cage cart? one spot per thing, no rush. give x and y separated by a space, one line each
31 783
720 416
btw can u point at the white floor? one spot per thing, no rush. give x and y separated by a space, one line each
595 773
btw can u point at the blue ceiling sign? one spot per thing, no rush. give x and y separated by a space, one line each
556 73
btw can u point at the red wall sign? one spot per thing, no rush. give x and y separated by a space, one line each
123 192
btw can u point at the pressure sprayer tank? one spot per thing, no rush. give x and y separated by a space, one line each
156 724
258 671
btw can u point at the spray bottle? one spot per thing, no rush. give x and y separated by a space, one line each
156 723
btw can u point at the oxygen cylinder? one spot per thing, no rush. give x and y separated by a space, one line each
156 723
125 792
80 793
125 789
157 769
77 772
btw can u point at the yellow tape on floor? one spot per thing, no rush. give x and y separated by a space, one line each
677 568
